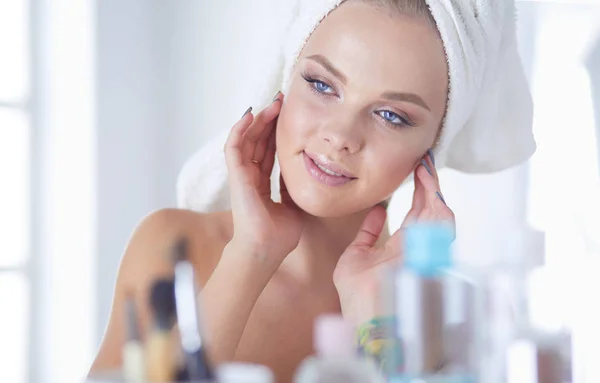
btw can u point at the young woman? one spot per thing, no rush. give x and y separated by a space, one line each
365 105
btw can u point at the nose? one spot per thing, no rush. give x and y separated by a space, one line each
343 136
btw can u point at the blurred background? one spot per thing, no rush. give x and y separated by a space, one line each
102 101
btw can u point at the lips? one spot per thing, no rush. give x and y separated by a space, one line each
326 172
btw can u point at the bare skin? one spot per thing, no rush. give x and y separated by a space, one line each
289 297
267 269
285 299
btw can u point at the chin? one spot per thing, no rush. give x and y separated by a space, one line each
324 204
322 208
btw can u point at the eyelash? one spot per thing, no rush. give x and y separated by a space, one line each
313 82
404 122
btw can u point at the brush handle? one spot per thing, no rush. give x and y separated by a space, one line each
160 363
133 362
198 367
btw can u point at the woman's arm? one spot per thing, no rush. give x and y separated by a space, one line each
229 297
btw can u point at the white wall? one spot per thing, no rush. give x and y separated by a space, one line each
220 50
134 135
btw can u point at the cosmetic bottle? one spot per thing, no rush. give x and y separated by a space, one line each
530 360
506 310
244 373
435 306
546 329
522 317
336 359
585 328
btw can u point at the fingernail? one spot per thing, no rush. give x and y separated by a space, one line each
440 197
430 153
424 163
246 112
276 95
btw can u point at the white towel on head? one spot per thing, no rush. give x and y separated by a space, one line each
488 122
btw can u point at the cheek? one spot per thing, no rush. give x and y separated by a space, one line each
298 120
390 164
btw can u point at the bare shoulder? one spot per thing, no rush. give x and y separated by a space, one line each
147 258
153 238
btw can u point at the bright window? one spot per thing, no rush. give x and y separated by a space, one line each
15 143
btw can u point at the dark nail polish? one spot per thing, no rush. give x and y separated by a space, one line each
246 112
430 153
424 163
440 197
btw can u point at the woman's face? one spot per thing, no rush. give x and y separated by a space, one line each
365 102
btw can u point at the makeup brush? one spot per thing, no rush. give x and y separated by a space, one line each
133 351
197 365
159 347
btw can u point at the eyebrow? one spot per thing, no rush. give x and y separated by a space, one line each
325 63
408 97
393 96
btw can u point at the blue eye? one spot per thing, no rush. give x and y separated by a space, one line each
317 85
321 86
393 118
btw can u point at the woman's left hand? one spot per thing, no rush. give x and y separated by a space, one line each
358 274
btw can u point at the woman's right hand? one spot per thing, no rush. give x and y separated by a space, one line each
262 227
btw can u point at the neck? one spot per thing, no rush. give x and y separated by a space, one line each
322 243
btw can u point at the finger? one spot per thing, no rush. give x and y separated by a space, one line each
262 146
261 123
263 140
428 162
371 228
286 199
266 165
433 196
233 145
418 201
429 159
393 245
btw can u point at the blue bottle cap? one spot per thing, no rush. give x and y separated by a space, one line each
427 248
